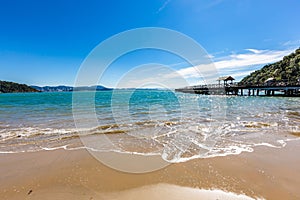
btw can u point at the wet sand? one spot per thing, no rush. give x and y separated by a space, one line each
60 174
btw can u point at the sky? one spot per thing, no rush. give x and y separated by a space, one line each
45 42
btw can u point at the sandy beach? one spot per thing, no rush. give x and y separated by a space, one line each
150 100
267 173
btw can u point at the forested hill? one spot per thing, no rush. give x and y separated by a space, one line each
11 87
285 71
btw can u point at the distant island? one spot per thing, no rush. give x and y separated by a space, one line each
11 87
285 71
63 88
60 88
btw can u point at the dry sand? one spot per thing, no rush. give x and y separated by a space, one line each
60 174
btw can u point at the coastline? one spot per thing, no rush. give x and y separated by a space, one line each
270 173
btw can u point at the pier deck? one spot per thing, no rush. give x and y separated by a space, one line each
244 90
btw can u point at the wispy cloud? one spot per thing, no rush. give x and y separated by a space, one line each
294 43
255 51
151 75
213 3
163 6
252 57
236 64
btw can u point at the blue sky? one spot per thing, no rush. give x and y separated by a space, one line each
45 42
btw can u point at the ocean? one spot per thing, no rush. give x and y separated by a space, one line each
176 126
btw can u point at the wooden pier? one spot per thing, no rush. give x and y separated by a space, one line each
291 90
267 89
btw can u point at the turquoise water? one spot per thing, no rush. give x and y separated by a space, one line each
172 124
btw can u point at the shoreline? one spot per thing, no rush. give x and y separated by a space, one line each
60 174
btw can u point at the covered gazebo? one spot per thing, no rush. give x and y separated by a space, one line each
225 79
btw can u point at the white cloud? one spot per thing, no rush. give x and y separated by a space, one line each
193 72
214 3
238 64
163 6
255 51
237 75
151 75
292 43
255 57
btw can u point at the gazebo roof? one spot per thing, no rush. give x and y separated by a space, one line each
226 78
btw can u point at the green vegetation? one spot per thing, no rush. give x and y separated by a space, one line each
286 71
10 87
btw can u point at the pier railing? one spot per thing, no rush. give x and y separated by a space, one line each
213 86
276 84
236 84
269 89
